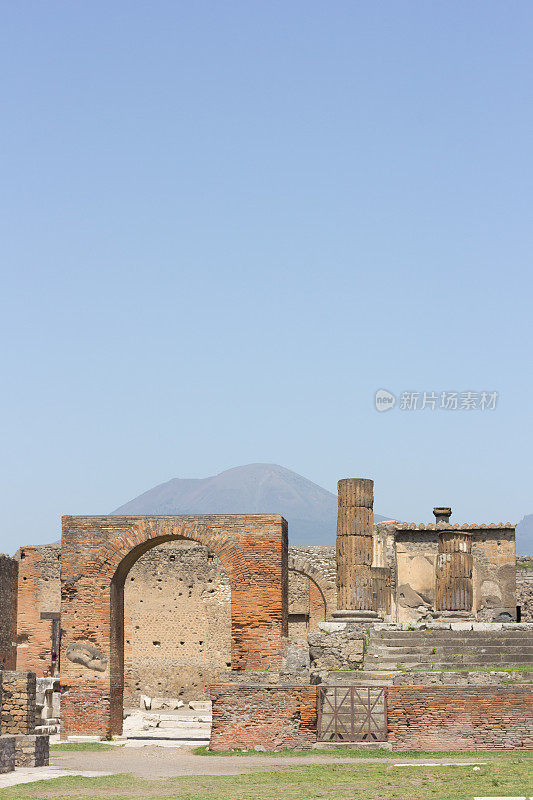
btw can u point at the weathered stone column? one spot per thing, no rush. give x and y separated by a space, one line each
355 550
454 566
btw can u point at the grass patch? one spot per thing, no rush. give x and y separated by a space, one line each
363 781
488 668
82 746
395 755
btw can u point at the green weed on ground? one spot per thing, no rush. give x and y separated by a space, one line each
363 781
82 746
352 752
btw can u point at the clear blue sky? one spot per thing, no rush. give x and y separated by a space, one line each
225 225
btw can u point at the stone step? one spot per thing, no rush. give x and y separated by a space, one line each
363 745
385 663
439 666
429 632
371 678
421 636
424 641
456 646
450 650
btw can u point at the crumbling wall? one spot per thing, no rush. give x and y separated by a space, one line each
177 614
18 702
494 574
263 717
20 746
8 613
524 587
320 557
39 592
416 558
177 623
97 555
336 646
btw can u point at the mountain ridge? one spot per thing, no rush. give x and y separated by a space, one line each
258 488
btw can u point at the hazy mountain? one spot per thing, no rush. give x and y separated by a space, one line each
310 510
524 536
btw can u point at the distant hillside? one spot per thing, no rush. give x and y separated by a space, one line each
310 510
524 535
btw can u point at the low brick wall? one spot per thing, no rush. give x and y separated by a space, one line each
460 717
269 717
18 702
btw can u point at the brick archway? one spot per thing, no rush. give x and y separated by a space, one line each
324 587
97 554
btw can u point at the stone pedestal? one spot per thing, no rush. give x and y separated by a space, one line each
355 551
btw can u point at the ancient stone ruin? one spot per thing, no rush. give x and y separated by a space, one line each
20 743
151 612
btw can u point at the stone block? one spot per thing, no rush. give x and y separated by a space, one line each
32 751
7 754
332 627
200 705
160 703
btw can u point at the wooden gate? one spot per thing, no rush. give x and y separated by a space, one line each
352 713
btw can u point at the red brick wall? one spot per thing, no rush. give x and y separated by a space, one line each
8 611
38 591
272 716
460 717
96 556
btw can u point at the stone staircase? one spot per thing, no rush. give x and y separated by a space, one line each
441 649
184 724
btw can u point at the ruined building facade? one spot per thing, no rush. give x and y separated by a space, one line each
177 599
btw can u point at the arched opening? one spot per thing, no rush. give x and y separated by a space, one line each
99 552
170 623
307 605
177 623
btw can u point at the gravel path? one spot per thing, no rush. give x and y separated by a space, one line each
158 762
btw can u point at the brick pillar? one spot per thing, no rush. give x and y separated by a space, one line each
355 550
454 571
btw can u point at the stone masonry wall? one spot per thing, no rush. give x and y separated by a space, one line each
524 587
494 574
177 624
32 751
337 646
460 717
264 717
7 754
18 702
8 614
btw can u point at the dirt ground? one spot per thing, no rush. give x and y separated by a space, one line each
157 762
